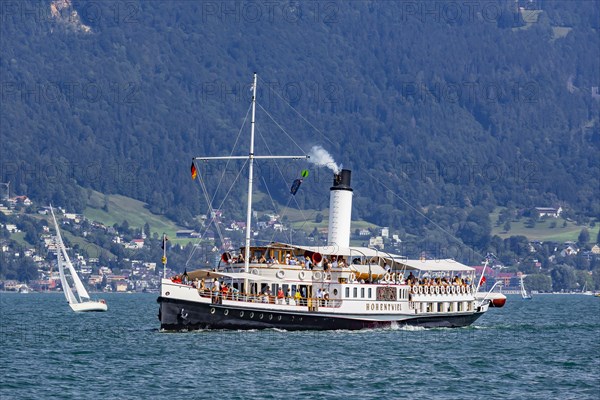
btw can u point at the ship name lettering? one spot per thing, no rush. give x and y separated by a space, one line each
383 307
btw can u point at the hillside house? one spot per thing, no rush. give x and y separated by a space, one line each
548 212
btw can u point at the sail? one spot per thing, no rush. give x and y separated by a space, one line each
523 290
64 259
63 279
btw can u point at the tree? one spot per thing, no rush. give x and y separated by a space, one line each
476 230
538 282
319 218
583 238
506 226
27 270
563 278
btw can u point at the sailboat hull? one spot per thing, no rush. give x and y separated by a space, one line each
89 306
179 315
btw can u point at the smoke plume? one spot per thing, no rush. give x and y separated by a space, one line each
319 156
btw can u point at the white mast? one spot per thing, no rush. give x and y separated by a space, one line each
250 180
251 157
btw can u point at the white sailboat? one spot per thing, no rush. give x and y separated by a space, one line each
524 294
81 300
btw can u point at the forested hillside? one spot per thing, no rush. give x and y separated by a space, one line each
442 105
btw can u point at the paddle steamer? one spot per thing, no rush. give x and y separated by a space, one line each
334 286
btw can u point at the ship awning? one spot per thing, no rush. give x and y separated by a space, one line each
346 251
435 265
208 274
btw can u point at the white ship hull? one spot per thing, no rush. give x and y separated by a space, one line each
89 306
183 308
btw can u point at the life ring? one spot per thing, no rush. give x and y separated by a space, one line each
254 271
302 275
317 275
452 290
464 289
437 290
387 277
280 274
443 290
413 289
352 277
420 289
468 289
326 277
394 277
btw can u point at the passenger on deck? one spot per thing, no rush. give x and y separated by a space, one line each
262 260
293 261
216 289
308 264
319 296
202 287
280 296
288 295
297 297
254 260
387 268
411 279
224 290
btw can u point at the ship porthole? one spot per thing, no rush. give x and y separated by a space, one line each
279 318
300 319
251 315
270 316
335 292
212 310
241 313
226 312
260 316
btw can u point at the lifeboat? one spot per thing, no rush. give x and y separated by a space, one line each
497 300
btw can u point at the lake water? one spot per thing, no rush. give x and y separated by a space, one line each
546 348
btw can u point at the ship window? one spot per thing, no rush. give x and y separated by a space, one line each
347 292
355 293
459 308
362 293
439 307
370 293
335 292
